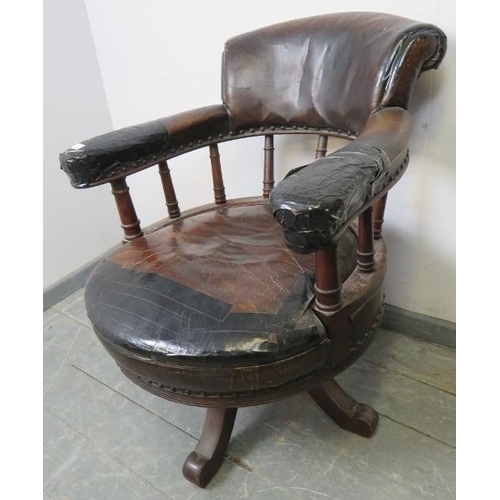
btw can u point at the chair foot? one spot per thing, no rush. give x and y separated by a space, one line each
345 411
202 464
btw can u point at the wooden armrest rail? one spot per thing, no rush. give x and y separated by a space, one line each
316 203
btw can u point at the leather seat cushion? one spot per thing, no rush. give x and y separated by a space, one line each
218 283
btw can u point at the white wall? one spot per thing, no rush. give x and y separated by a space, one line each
77 225
158 58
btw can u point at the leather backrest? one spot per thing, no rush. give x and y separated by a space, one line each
328 71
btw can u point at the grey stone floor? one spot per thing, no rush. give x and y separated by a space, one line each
104 438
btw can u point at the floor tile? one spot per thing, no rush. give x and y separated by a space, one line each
140 440
75 468
429 363
74 307
64 341
397 462
416 405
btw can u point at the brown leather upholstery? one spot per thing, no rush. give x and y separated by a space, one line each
326 71
220 283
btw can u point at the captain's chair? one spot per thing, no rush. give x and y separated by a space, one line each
248 301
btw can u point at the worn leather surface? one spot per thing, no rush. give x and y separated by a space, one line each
326 71
330 71
316 202
129 148
221 283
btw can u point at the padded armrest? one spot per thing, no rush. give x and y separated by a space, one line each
131 149
315 203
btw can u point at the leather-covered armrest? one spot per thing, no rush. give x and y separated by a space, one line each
131 149
315 203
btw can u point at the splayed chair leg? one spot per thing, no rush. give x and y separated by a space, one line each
202 464
345 411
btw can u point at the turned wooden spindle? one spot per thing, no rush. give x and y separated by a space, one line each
322 146
129 221
219 191
365 253
328 286
168 190
378 216
268 166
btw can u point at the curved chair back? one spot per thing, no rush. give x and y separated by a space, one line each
326 71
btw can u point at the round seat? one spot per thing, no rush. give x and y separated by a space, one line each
220 283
